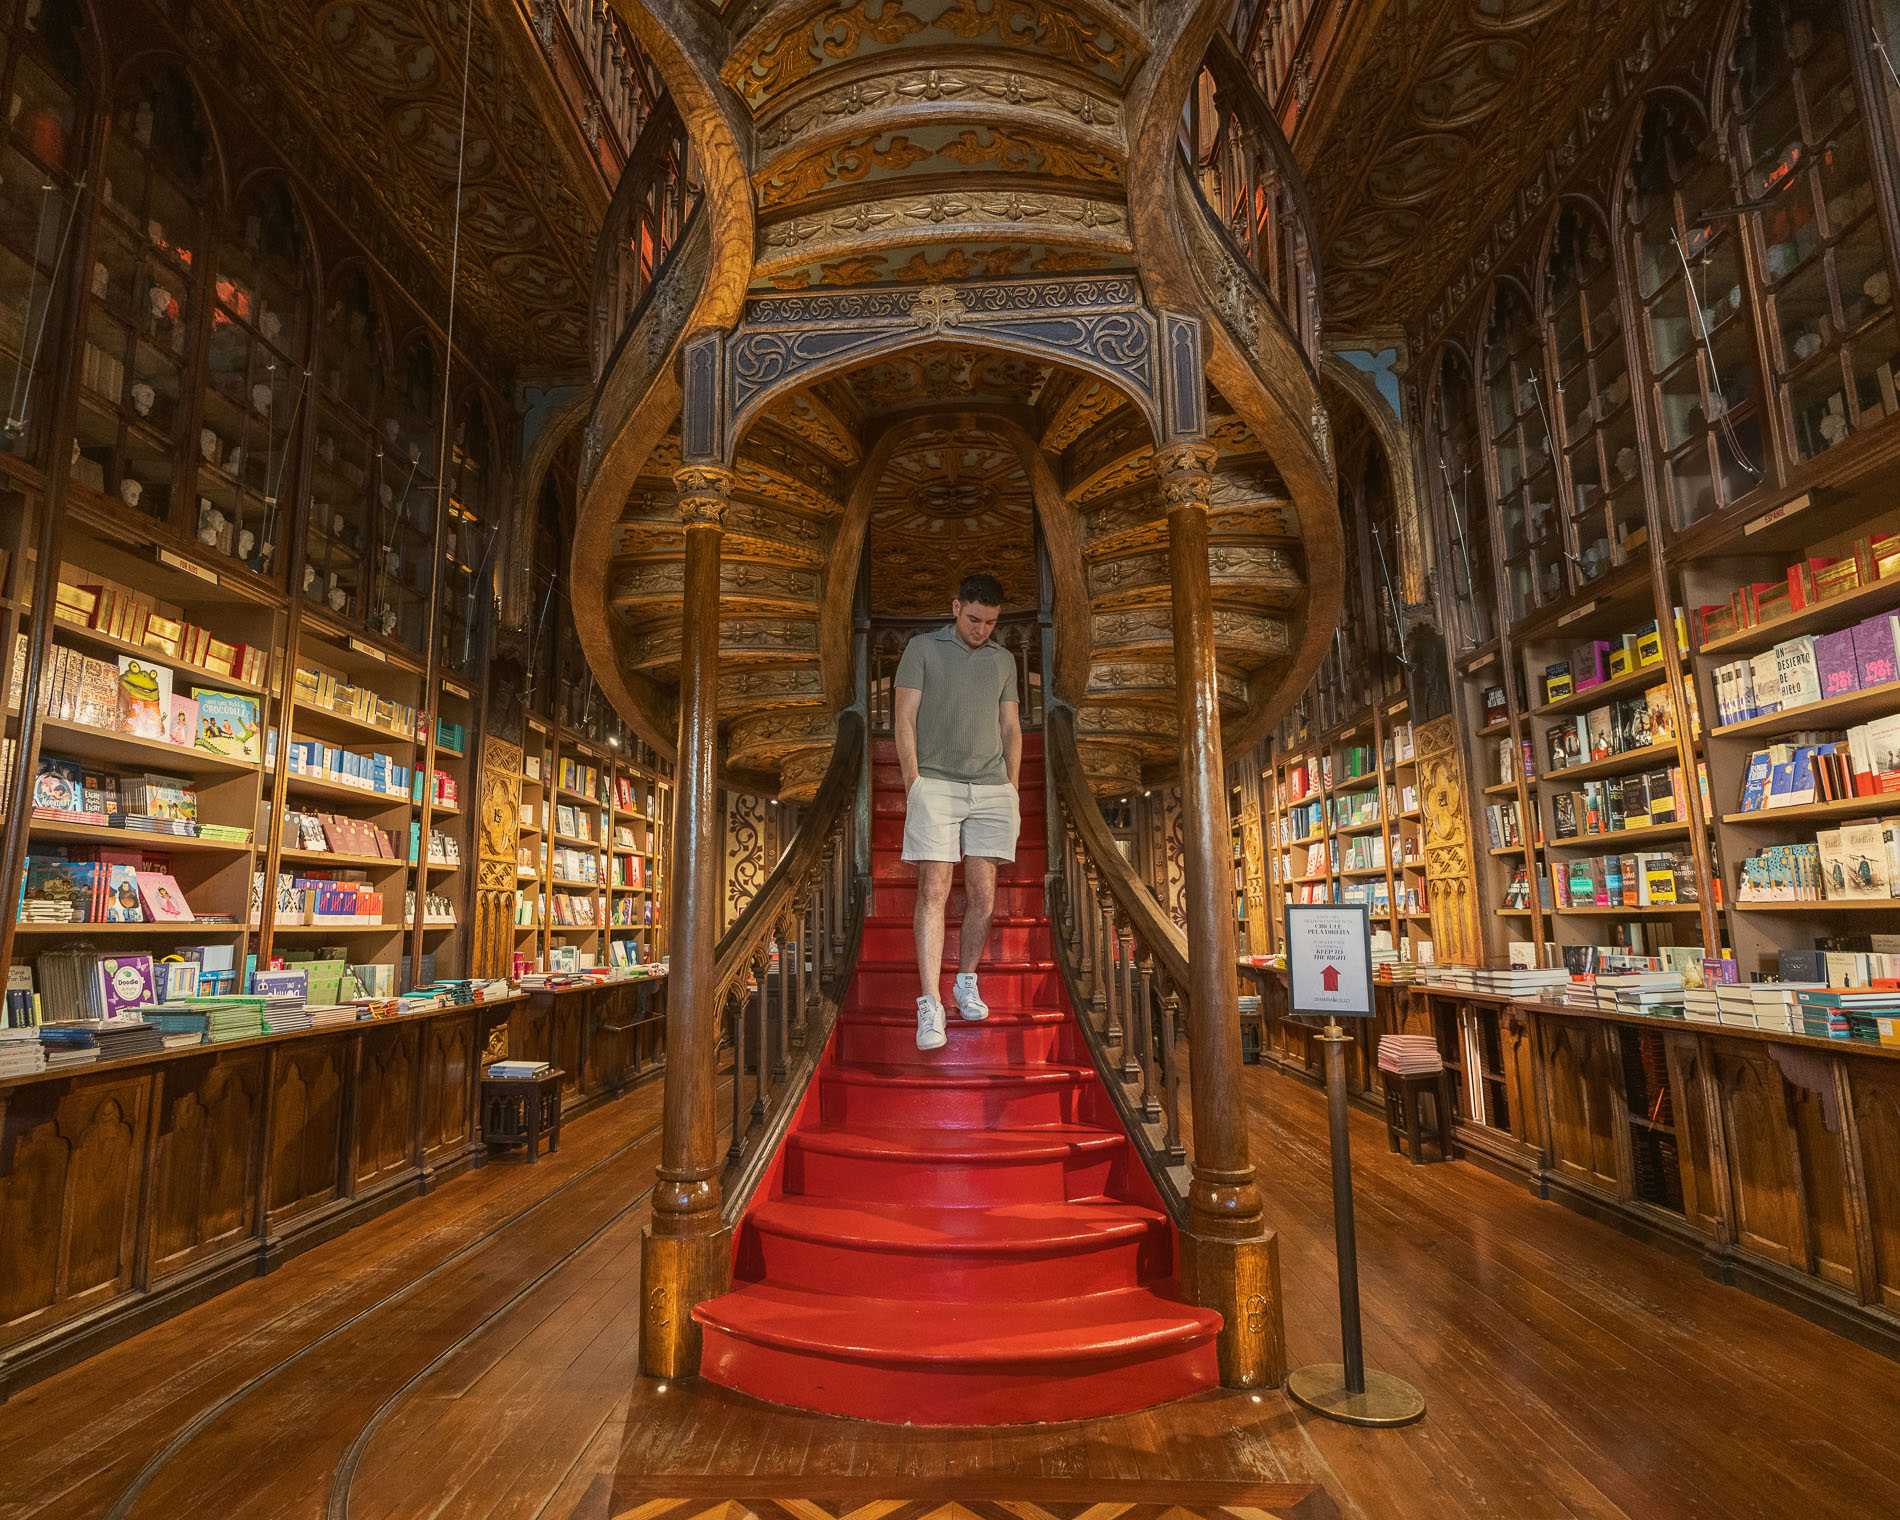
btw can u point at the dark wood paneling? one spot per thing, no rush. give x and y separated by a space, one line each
1761 1159
307 1125
1688 1080
1823 1187
385 1126
206 1157
448 1080
70 1178
1583 1140
1876 1101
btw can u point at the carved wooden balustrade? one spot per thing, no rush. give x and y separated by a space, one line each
1125 961
645 221
1018 632
809 916
1247 176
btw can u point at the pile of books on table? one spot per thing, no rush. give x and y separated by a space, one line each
1849 1013
117 1039
1652 992
284 1013
1409 1055
330 1016
1523 981
1458 978
1701 1005
212 1020
1763 1005
1581 991
68 1045
21 1054
517 1070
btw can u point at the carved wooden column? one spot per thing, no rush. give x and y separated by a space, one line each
1230 1259
687 1256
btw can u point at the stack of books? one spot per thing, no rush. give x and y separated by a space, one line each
1523 981
211 1019
68 1045
21 1054
517 1070
1639 992
330 1017
1846 1013
119 1038
1405 1055
1763 1005
1700 1005
1581 991
284 1013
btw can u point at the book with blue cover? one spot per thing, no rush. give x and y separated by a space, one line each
1755 785
281 983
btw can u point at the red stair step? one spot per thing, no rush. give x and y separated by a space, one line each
954 1096
896 901
930 1363
1005 1254
1027 867
1004 984
956 1167
1010 939
1018 1037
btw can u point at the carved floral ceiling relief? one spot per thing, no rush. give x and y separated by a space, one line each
382 82
1419 138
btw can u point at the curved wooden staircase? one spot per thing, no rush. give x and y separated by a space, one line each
960 1236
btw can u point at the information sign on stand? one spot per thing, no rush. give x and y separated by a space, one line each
1329 972
1329 959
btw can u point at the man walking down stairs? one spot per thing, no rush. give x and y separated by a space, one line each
960 748
963 1237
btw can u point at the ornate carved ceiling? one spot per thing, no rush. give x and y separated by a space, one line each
951 502
931 140
1418 140
382 82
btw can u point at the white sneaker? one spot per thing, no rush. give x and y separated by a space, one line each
969 1002
930 1035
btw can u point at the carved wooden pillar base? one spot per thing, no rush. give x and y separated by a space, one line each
1240 1280
677 1272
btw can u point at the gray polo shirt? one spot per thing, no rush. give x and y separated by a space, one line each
959 726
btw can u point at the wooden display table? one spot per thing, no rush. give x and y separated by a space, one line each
520 1110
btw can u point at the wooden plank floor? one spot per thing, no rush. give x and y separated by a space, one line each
474 1354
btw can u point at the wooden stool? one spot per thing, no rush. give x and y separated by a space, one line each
1401 1103
520 1110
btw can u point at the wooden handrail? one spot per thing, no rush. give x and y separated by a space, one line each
740 946
1151 925
1124 961
621 283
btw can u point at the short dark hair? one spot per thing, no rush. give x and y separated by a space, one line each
982 588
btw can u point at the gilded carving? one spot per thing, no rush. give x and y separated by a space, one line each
934 86
1450 874
1182 472
703 493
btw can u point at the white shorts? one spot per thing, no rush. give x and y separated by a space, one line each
952 820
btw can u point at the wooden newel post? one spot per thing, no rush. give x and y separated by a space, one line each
686 1257
1230 1259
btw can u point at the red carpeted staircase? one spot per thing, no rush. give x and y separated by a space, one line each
962 1236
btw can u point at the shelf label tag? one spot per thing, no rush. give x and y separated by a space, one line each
179 562
1576 612
1786 509
369 649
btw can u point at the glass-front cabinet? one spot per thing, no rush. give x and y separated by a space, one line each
1459 477
1700 347
1818 240
1593 404
1519 426
41 155
136 348
256 385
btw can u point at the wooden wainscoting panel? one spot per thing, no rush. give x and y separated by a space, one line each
1582 1114
386 1103
449 1061
1823 1187
206 1157
306 1126
1519 1045
1761 1161
1701 1204
71 1169
1876 1090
